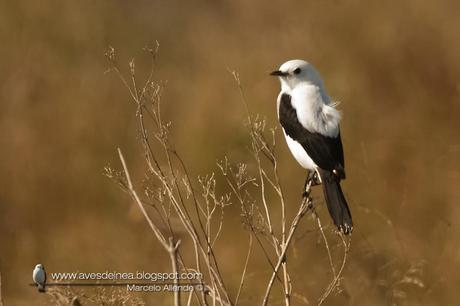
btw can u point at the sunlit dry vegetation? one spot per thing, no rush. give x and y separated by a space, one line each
175 195
393 66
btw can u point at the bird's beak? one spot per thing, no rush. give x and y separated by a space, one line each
278 73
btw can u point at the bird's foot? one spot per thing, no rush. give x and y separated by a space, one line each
305 194
345 229
314 178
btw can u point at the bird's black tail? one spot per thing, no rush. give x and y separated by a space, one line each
336 203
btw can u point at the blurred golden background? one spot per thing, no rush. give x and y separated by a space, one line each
394 65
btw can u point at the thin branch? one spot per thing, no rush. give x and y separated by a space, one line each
243 275
336 280
138 201
172 250
251 225
305 205
329 255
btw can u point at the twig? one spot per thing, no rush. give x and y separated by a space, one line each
202 231
305 205
336 279
172 250
138 201
329 255
259 144
244 270
238 195
169 184
171 247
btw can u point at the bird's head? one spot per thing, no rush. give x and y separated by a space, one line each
39 266
295 72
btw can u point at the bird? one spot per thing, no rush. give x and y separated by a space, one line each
310 122
39 277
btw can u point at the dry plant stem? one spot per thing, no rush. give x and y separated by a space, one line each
151 93
336 279
326 243
185 218
186 221
336 276
170 247
175 200
183 212
251 226
160 175
277 246
178 204
198 267
172 250
138 201
275 242
259 144
287 283
208 252
189 300
306 203
196 205
158 172
243 275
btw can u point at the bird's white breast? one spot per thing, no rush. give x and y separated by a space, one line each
299 153
314 110
38 275
316 113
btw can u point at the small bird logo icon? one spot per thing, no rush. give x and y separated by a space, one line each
39 277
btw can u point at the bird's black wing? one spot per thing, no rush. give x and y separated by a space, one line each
326 152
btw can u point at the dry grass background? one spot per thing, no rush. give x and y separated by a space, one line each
394 65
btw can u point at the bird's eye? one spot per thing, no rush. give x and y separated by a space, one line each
297 71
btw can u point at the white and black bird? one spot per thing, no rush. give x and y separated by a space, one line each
310 123
39 277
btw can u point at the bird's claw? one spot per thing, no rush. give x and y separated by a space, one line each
345 229
314 178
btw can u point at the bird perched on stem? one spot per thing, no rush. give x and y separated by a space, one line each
310 123
39 277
